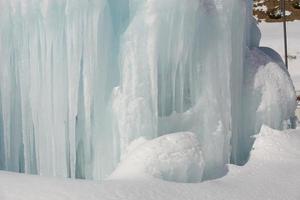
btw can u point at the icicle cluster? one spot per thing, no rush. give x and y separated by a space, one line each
79 80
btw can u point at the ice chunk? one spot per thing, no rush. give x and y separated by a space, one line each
268 97
173 157
271 88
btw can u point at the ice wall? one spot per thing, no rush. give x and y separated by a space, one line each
58 68
80 80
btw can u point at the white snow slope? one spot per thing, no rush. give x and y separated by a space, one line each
271 173
272 36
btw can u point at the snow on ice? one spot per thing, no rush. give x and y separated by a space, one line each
172 157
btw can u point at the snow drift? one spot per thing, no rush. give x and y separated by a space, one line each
80 80
271 173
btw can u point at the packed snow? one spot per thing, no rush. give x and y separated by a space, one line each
174 157
271 173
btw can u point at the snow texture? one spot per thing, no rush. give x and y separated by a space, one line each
80 80
173 157
271 173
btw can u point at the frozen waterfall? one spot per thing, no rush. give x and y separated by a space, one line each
80 80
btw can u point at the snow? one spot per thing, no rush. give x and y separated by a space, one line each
272 36
271 173
262 8
256 3
174 157
288 13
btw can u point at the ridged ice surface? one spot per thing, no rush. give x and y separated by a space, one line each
80 80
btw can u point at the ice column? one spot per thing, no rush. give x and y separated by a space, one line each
181 63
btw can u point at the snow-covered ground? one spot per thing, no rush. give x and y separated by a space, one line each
272 173
272 36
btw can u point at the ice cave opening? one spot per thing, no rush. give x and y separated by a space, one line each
85 84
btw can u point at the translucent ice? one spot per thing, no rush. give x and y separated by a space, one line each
80 80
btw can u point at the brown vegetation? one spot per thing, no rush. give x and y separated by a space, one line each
274 6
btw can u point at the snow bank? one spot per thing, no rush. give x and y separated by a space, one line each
173 157
271 173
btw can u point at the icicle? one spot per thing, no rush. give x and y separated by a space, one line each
80 80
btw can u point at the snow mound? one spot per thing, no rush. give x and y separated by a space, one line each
275 146
271 173
174 157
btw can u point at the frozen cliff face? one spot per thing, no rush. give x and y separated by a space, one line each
80 80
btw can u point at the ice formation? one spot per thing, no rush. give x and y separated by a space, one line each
268 97
80 80
172 157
